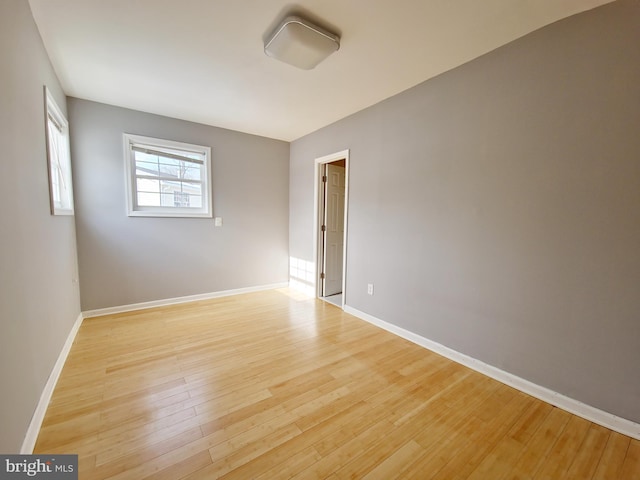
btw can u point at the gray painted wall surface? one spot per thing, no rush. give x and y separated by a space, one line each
496 208
125 260
39 300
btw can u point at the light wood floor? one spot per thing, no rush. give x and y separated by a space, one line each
269 385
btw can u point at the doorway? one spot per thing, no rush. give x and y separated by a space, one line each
331 226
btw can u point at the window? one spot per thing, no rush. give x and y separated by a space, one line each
58 158
166 178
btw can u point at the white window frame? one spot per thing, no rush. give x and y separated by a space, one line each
58 158
135 210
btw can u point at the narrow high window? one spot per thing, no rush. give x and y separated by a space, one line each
59 158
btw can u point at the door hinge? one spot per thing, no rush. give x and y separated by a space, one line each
324 179
322 276
324 228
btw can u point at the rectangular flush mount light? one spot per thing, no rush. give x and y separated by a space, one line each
300 43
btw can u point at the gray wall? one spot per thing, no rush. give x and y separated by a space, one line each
125 260
39 299
496 208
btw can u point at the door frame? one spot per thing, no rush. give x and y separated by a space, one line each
317 220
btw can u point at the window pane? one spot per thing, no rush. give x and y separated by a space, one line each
146 199
193 173
171 170
181 194
169 161
167 199
169 186
54 164
148 185
145 157
194 188
146 168
181 199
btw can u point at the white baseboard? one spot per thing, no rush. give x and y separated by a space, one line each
38 416
173 301
592 414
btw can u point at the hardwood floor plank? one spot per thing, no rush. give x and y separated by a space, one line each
445 445
68 431
128 411
165 466
344 452
474 447
537 449
498 461
256 435
273 385
631 466
563 452
286 469
243 454
361 418
610 465
182 468
450 424
526 426
394 465
123 457
384 446
140 426
326 429
589 453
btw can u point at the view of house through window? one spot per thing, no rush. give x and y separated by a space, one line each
167 178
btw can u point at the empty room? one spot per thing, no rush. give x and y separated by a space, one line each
320 240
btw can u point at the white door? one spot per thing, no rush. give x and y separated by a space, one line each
334 229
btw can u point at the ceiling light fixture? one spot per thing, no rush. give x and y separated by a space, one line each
300 43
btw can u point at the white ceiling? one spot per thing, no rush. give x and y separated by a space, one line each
203 60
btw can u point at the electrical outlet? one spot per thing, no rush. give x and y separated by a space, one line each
217 221
370 289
